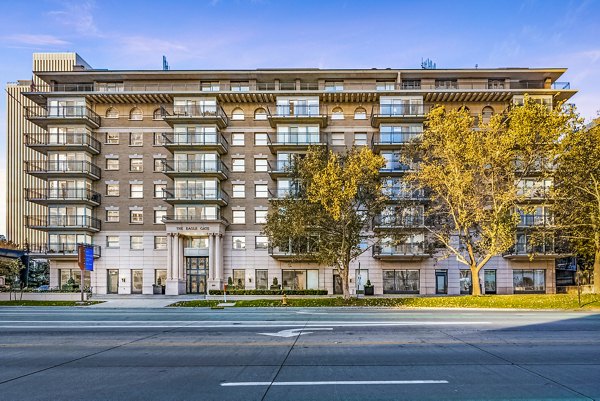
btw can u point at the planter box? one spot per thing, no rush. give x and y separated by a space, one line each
369 290
157 289
45 296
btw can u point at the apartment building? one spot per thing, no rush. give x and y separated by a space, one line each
168 174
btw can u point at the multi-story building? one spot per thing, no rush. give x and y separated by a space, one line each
169 173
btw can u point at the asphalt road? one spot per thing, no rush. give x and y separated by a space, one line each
297 354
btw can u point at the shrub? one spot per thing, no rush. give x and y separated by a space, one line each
269 292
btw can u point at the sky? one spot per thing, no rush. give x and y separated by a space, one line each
249 34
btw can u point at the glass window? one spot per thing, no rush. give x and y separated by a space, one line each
238 165
241 86
385 85
160 242
112 241
160 276
401 281
237 139
360 139
158 216
136 242
212 86
157 115
260 216
260 114
337 113
239 279
239 217
300 279
261 242
111 112
261 165
237 114
112 138
239 242
262 279
239 191
337 139
159 139
112 216
465 283
159 165
112 189
261 191
136 165
260 139
136 216
334 86
360 114
159 190
136 114
112 164
136 190
529 280
136 139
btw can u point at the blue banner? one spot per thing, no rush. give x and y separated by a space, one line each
89 258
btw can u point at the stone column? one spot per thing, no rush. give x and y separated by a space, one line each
219 257
174 281
169 256
211 256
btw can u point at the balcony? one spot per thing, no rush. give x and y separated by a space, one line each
295 141
279 168
546 251
191 140
536 220
197 114
398 222
47 196
402 194
393 140
298 114
280 193
398 113
194 218
66 141
400 252
294 252
59 251
195 168
44 116
195 196
62 168
396 168
62 222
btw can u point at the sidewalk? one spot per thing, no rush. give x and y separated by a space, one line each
140 301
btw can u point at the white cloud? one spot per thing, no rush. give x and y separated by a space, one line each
77 15
36 40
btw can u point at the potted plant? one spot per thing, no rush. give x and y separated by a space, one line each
275 285
157 288
369 288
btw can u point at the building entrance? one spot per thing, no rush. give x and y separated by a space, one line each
197 273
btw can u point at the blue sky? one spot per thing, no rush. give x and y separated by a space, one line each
251 34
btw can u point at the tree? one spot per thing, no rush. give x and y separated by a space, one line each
476 176
336 197
577 194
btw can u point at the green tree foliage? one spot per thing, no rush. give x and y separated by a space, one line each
336 198
475 175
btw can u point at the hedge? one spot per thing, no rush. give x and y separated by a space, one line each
269 292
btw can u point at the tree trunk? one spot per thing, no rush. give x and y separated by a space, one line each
597 272
345 283
475 281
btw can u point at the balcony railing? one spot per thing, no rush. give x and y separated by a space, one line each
195 194
300 250
297 139
62 167
396 167
561 85
68 140
191 217
195 166
195 139
296 110
62 195
405 194
279 166
533 220
398 250
198 111
280 193
62 221
394 138
527 85
399 221
62 112
399 110
58 250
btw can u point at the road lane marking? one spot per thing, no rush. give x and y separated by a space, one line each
334 383
294 332
310 313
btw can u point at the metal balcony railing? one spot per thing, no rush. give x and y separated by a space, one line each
399 221
193 138
191 216
279 166
394 138
300 139
404 194
62 112
66 139
62 166
195 166
533 220
398 250
195 194
197 111
298 110
400 110
62 221
61 249
62 194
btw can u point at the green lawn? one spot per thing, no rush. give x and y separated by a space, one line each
48 303
541 301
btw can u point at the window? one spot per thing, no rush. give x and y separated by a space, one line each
136 139
260 139
260 114
337 113
385 85
136 165
136 190
237 114
262 279
300 279
159 165
210 86
157 114
112 138
261 165
360 114
237 139
160 242
529 281
112 216
158 216
261 191
401 281
239 191
159 139
260 216
112 241
238 165
111 112
261 242
136 242
239 217
239 242
465 282
159 190
239 279
112 164
360 139
136 114
337 139
334 86
112 189
240 87
136 216
487 113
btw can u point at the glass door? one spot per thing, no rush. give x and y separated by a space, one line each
197 272
137 281
337 284
490 281
441 281
112 281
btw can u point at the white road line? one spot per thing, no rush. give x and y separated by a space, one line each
334 383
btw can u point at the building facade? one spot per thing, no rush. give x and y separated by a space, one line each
168 174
